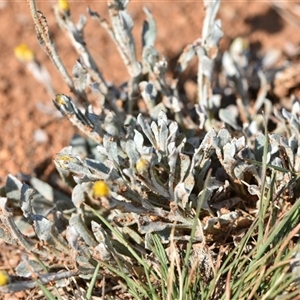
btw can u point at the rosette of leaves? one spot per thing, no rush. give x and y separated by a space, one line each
149 175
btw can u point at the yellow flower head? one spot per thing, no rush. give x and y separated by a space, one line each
63 5
100 189
63 160
59 98
24 53
66 158
4 279
142 165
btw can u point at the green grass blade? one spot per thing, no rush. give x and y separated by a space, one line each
92 283
46 292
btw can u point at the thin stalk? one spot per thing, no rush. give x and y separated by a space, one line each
47 43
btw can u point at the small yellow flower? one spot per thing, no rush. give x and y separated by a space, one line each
142 165
4 278
100 189
24 53
66 158
63 160
59 99
63 5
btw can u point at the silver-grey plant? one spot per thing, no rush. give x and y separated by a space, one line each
199 181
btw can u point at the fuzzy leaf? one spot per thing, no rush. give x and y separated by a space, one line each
47 232
82 229
185 57
111 149
149 29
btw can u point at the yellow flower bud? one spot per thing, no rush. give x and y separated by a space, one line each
66 158
59 99
4 278
24 53
63 5
63 160
142 165
100 189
